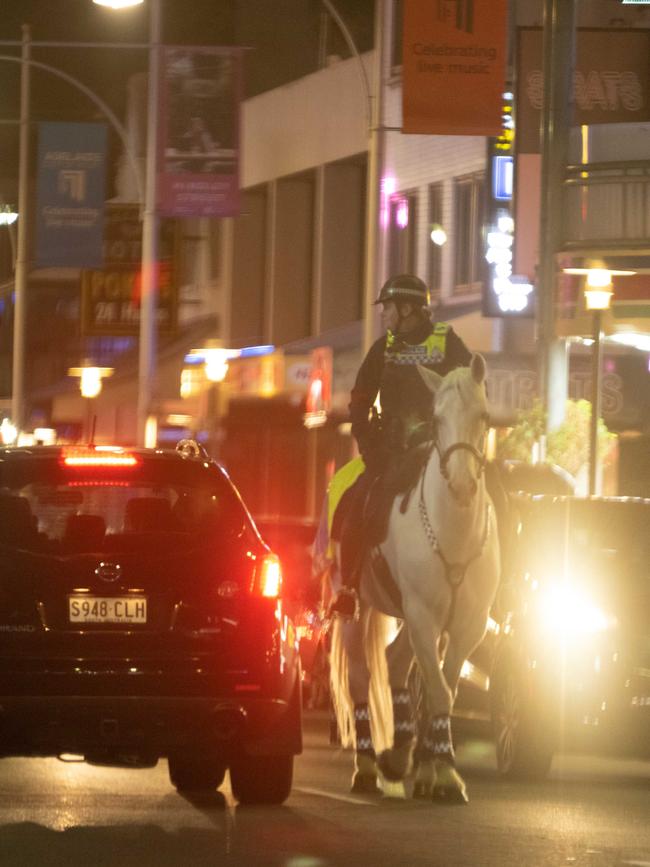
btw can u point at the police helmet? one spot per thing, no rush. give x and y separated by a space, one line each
404 287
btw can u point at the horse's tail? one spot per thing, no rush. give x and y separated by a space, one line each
339 691
377 633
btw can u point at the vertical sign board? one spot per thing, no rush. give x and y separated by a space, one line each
110 295
453 66
70 199
198 148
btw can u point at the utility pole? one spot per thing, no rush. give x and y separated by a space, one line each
559 62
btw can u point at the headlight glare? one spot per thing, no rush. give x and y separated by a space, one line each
567 610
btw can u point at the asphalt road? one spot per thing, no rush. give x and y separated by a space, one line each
590 813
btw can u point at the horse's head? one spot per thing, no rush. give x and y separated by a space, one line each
461 416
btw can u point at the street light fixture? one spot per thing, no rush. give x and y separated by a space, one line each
118 4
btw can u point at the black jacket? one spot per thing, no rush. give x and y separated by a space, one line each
403 394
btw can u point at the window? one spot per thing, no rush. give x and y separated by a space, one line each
469 207
398 27
402 233
434 265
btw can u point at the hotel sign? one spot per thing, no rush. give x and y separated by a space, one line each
110 296
611 80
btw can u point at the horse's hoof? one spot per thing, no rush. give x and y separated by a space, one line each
449 795
389 772
365 784
394 791
422 791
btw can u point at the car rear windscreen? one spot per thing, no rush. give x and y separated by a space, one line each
44 508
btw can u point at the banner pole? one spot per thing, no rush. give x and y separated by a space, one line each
373 264
20 286
149 296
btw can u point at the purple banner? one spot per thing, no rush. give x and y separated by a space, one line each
198 162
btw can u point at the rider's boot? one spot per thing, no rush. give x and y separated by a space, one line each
346 604
346 601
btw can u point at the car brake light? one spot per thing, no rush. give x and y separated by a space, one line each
269 577
99 456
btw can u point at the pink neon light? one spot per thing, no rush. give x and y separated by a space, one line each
387 187
402 214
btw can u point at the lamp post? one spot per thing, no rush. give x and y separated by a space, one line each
150 221
598 296
90 385
215 368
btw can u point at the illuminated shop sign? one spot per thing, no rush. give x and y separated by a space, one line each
511 292
504 294
502 175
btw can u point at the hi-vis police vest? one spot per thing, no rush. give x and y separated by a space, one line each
430 352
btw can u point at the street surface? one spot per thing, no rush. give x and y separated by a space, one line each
590 813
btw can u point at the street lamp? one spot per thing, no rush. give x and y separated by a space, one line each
598 298
90 385
215 360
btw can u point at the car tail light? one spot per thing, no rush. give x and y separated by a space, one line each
268 577
98 456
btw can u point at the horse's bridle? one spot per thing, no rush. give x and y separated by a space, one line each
454 572
468 447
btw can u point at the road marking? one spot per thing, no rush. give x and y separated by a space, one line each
321 793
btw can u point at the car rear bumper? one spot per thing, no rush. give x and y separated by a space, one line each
54 725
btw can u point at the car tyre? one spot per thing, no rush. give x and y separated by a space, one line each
522 731
261 779
190 772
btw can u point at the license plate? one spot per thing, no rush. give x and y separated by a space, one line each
107 609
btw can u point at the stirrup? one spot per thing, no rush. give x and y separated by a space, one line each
346 604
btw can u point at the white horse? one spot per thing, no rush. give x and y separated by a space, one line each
431 603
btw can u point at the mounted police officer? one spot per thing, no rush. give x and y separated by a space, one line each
389 370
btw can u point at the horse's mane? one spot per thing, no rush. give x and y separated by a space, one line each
461 380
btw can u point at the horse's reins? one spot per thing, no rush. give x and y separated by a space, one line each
454 572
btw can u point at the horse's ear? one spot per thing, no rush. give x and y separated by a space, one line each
478 367
431 379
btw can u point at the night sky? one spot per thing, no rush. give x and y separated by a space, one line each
282 35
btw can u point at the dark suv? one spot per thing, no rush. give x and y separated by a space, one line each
141 617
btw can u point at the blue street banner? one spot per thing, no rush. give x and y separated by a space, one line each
70 196
198 147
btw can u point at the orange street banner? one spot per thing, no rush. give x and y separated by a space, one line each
453 66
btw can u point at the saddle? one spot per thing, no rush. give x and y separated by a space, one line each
398 479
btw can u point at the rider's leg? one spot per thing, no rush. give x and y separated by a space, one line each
351 549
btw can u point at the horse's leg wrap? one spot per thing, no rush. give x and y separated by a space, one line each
403 722
395 763
437 743
364 780
362 730
449 786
